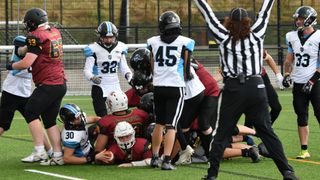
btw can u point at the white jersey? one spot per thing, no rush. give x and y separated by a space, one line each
102 63
194 86
77 140
18 82
168 63
306 56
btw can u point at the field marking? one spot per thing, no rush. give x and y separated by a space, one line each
304 161
52 174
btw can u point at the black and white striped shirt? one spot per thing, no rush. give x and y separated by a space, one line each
243 56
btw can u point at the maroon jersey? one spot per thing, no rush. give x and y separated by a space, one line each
48 68
264 72
136 117
139 151
133 98
211 85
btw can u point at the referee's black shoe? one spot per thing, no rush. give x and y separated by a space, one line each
289 175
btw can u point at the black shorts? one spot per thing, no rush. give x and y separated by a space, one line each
9 104
190 110
168 102
208 112
45 101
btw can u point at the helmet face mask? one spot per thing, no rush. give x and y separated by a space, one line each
146 102
124 134
108 33
33 18
305 16
169 20
141 82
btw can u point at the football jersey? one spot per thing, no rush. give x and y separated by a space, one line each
77 140
210 84
136 117
18 82
133 98
193 86
102 63
139 151
306 55
48 67
168 63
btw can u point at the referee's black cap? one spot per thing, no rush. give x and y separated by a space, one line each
237 14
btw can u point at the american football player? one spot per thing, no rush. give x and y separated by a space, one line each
129 151
302 68
118 104
103 60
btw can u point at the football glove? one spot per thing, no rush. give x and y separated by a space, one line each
96 79
9 65
279 80
287 81
307 87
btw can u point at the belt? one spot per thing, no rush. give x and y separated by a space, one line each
242 78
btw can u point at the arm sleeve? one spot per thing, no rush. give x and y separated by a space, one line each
260 25
218 30
89 64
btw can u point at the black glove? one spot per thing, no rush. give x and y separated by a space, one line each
96 79
287 81
9 65
307 87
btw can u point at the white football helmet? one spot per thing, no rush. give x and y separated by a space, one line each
122 130
117 101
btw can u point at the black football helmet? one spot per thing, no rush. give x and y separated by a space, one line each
107 28
308 14
146 102
140 79
33 18
169 20
140 60
69 112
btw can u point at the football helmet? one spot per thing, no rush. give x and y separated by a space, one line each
33 18
140 80
117 101
308 14
69 113
146 102
124 135
169 20
140 60
107 29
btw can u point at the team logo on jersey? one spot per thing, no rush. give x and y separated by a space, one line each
301 49
109 56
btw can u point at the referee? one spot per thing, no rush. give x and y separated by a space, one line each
241 51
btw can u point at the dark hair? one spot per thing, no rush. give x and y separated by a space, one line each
238 29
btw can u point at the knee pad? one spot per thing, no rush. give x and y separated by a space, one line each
302 121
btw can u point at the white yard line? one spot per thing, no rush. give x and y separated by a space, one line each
53 174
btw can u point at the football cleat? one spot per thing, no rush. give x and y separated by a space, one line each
208 178
304 154
35 157
254 154
167 166
289 175
55 161
185 156
155 162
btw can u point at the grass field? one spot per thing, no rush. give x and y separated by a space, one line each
17 144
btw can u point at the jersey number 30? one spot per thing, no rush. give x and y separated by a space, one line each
166 51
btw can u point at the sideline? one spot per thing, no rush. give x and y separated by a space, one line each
52 174
304 161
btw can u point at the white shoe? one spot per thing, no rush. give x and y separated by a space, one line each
185 156
35 157
55 161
